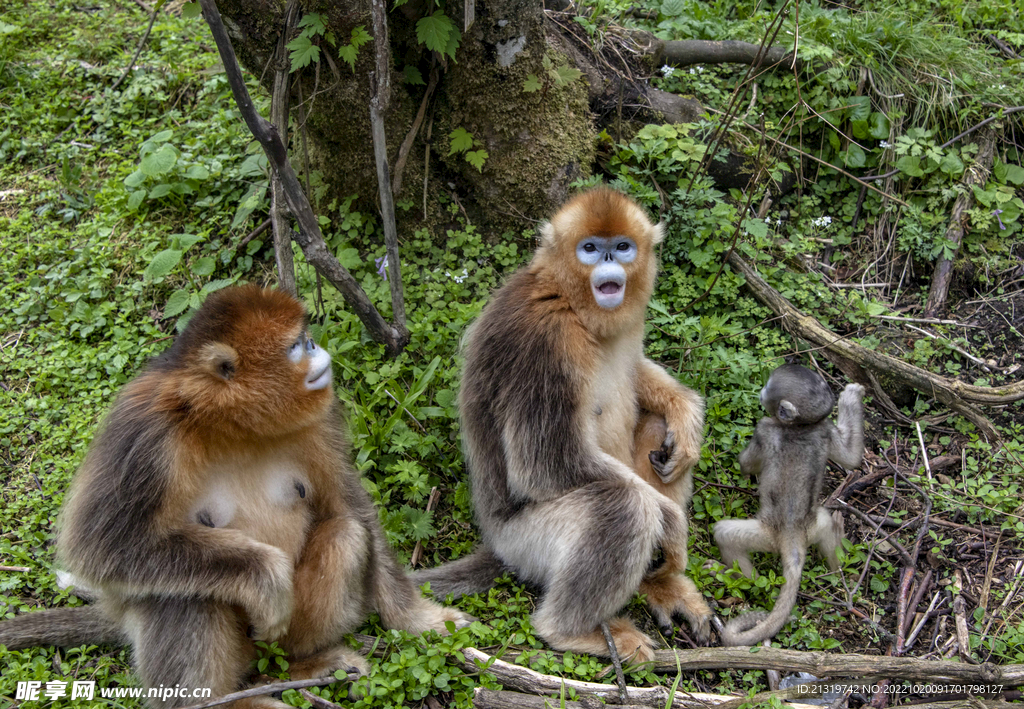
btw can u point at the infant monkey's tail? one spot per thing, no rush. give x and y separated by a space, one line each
63 627
752 628
470 574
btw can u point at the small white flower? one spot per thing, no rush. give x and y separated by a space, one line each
823 222
884 144
667 71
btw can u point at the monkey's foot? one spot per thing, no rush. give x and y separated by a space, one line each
851 394
670 593
633 646
324 664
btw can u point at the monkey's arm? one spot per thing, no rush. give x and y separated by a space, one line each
846 439
752 456
683 409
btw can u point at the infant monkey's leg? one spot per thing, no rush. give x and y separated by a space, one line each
736 538
827 534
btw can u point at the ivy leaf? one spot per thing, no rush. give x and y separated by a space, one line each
162 264
412 75
159 161
565 74
476 158
532 84
348 54
878 126
177 303
434 31
360 36
462 140
303 52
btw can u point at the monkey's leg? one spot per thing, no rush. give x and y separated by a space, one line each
669 591
589 549
846 444
191 643
331 598
827 534
736 538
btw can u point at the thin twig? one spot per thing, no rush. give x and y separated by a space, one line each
272 688
142 43
613 651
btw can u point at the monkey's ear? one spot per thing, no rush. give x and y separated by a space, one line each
658 233
220 360
547 235
787 411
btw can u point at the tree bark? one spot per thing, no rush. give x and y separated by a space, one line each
977 174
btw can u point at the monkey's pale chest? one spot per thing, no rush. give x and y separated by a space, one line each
614 404
268 503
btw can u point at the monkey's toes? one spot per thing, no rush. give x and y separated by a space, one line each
852 391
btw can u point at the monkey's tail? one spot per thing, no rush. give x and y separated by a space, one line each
752 628
470 574
64 627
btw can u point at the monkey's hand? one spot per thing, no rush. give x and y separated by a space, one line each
852 395
270 612
677 455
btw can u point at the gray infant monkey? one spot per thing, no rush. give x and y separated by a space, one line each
788 453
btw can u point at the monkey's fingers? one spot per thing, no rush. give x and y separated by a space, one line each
852 393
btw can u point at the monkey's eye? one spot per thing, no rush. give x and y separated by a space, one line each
622 246
589 247
295 351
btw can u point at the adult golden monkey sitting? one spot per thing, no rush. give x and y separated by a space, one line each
554 385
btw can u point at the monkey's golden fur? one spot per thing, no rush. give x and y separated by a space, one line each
552 391
218 505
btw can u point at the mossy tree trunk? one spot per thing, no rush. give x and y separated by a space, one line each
537 143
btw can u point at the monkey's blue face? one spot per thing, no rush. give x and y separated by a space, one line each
608 256
318 362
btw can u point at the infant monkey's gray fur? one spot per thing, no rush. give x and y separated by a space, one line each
788 452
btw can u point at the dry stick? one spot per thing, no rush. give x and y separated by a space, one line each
977 174
697 51
924 452
254 233
906 577
380 98
318 702
403 152
309 237
613 651
279 107
142 43
915 601
272 688
955 394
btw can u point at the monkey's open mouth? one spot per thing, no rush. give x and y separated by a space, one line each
320 379
609 288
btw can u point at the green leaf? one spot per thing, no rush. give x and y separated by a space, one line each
216 285
859 129
313 24
1015 174
349 258
413 76
565 74
476 158
204 266
197 172
348 54
986 197
177 303
135 179
159 161
162 264
952 165
910 165
161 190
161 137
303 52
185 241
855 156
673 8
756 228
454 40
418 523
135 201
860 108
878 126
461 140
190 10
532 84
434 31
360 36
445 397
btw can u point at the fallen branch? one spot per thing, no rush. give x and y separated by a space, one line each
309 236
699 51
272 688
142 43
977 174
490 699
955 394
825 664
